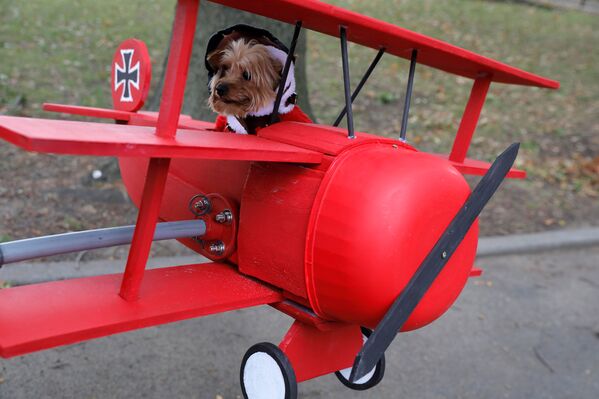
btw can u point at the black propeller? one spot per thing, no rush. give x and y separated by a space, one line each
429 269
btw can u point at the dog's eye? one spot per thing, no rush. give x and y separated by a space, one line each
246 75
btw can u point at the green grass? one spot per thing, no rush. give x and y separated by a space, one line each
60 51
560 44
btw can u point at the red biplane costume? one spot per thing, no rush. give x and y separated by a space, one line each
336 228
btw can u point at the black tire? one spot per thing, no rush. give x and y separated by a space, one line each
275 359
377 376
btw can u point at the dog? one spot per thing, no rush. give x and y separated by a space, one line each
245 67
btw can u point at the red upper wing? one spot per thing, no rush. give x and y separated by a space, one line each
106 139
370 32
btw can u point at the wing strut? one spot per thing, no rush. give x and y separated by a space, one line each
470 117
168 119
274 117
358 88
347 90
408 99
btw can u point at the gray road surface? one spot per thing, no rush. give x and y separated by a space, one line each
529 328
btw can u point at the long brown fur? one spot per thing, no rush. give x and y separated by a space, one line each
243 96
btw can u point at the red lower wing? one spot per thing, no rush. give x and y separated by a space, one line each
46 315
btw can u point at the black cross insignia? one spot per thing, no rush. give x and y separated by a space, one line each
126 75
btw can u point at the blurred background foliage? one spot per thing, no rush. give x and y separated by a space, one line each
60 51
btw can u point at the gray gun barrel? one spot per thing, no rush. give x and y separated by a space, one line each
38 247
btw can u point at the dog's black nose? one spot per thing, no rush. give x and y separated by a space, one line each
222 89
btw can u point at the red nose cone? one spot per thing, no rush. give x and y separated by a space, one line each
378 213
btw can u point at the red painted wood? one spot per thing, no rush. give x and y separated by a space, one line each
140 61
176 70
108 139
326 139
372 223
476 272
275 210
187 178
187 122
144 227
168 119
470 117
139 118
46 315
479 168
88 111
370 32
313 352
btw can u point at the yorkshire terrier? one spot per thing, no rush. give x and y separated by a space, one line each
245 65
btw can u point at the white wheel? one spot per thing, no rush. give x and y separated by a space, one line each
266 373
371 379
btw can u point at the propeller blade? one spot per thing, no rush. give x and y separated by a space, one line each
429 269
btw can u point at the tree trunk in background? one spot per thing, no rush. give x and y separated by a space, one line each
212 18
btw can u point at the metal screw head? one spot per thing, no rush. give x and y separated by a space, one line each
395 146
444 255
217 248
202 204
199 205
223 217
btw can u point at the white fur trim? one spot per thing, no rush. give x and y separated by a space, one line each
235 125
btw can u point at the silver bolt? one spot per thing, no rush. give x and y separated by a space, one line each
223 217
202 204
217 248
395 146
199 205
444 255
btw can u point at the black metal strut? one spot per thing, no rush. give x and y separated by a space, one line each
373 64
348 101
406 106
274 117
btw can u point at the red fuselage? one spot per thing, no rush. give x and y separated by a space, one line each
343 237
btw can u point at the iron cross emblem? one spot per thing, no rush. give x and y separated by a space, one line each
126 75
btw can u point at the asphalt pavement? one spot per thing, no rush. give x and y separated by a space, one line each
528 328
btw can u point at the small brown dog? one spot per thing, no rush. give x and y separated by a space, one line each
244 68
246 79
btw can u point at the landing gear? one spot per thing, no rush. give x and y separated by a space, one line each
369 380
266 373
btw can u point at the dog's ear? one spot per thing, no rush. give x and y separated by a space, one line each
214 58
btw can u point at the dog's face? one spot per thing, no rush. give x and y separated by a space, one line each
245 80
